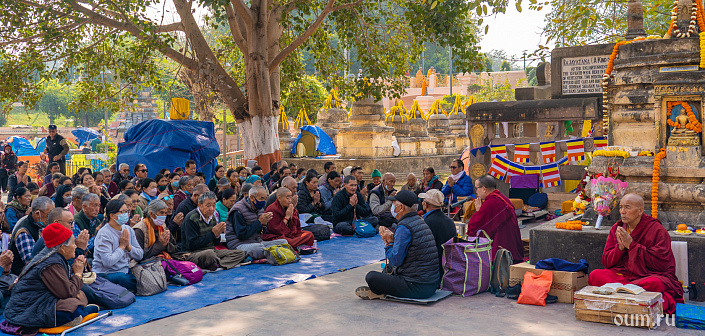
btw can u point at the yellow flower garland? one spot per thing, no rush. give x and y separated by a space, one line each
611 153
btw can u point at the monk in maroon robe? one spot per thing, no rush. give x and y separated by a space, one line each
495 215
285 222
638 251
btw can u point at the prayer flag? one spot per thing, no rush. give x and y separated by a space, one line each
521 153
600 142
498 150
551 175
532 170
576 150
498 169
548 151
514 169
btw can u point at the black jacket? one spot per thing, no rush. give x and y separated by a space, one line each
305 204
443 229
343 211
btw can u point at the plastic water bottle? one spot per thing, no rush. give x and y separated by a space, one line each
315 243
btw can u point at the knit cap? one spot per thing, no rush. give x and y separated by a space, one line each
55 234
376 173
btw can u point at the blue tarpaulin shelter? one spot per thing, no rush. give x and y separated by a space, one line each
313 141
22 146
84 134
41 145
169 144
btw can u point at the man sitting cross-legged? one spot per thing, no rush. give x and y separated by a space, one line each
638 251
199 235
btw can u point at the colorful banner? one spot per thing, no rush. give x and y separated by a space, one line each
498 150
498 169
521 153
514 169
576 150
551 177
600 142
548 151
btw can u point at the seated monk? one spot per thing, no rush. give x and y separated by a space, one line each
638 251
285 222
495 215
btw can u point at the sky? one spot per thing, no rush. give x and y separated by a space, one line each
515 32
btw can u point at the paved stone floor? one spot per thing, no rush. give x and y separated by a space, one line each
328 306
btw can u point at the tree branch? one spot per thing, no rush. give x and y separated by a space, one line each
172 27
243 12
311 29
27 39
235 29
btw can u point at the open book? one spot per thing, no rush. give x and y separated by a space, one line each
616 287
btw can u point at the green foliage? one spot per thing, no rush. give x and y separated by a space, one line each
307 94
579 22
55 100
490 91
531 76
505 66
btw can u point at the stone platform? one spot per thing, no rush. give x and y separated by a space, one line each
548 242
397 165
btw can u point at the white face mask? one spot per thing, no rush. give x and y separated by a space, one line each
160 220
394 213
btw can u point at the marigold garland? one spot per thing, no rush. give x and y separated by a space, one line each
693 123
654 182
611 153
570 225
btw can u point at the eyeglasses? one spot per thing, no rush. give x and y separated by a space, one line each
453 167
143 170
168 197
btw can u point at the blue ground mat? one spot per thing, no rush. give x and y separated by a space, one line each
333 255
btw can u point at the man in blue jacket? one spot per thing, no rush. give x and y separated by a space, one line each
458 184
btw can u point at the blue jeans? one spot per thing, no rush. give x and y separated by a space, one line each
126 280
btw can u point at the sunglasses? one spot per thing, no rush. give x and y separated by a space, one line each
169 197
453 167
143 170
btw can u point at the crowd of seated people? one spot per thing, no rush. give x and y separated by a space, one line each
112 218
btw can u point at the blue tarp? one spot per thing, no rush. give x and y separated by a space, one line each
324 143
169 144
22 146
84 134
333 255
41 145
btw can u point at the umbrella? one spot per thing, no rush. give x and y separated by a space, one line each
84 134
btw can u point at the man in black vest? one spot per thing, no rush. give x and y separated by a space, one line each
380 203
411 251
27 231
57 148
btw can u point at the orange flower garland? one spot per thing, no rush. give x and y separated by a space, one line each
693 123
654 182
570 225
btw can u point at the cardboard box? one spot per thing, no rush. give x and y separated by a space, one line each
643 310
564 285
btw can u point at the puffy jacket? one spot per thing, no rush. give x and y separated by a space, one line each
243 225
421 262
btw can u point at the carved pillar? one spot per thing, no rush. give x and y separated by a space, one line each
635 20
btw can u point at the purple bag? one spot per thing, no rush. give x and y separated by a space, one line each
467 265
184 269
11 329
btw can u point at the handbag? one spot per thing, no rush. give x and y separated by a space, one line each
320 232
89 277
362 228
281 254
182 272
150 276
467 265
110 295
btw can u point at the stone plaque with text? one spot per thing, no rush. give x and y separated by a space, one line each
582 75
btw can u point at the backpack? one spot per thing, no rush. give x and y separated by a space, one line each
281 254
363 229
110 295
150 277
499 280
320 232
182 272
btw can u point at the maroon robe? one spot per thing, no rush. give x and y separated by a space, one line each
497 217
649 262
291 231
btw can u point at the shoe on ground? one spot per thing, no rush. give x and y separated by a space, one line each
551 299
366 293
513 291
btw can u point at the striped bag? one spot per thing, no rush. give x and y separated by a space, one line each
467 265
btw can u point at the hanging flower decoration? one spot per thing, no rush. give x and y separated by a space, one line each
415 108
654 182
570 225
611 153
693 123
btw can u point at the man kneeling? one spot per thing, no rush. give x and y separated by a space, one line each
200 233
638 251
411 249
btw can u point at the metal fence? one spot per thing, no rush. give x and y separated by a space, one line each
232 159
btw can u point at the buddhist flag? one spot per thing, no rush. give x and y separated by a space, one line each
548 151
576 150
551 176
498 150
498 169
521 153
532 170
600 142
514 169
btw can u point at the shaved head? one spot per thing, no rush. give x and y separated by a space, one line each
634 199
631 208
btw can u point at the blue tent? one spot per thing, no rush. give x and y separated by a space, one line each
84 134
169 144
313 142
41 145
22 146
